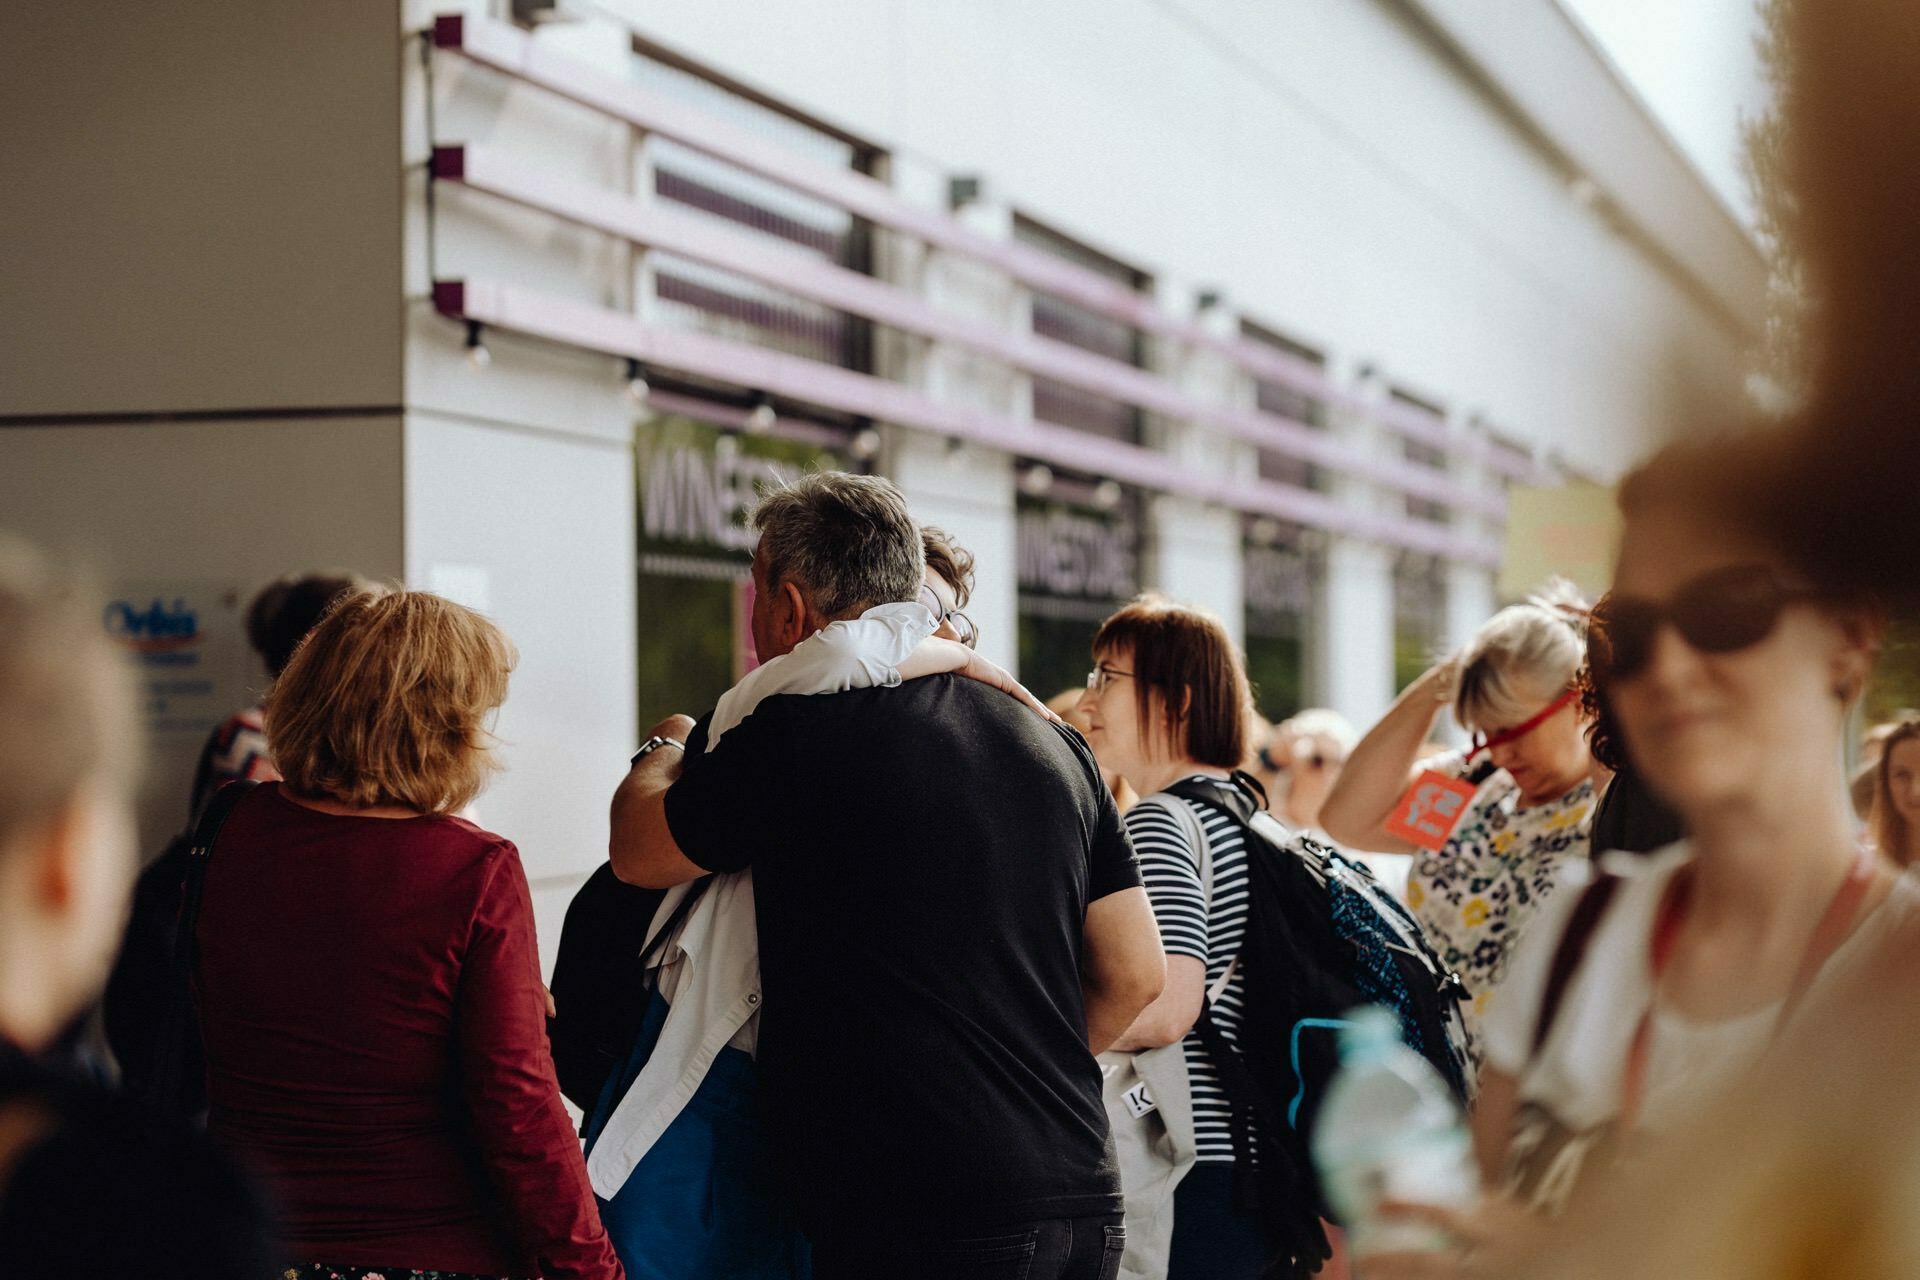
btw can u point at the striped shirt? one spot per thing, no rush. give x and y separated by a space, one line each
1208 932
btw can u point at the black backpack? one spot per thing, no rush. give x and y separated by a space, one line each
1322 938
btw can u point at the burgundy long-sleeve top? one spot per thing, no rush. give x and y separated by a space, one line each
376 1044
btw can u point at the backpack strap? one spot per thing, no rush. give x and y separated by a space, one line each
1170 803
1581 926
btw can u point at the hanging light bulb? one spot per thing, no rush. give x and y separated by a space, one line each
1037 480
761 420
1107 495
637 387
477 354
864 444
1264 531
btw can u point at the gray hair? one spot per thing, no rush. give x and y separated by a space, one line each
845 541
1522 658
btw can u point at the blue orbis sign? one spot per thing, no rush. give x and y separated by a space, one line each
184 639
161 632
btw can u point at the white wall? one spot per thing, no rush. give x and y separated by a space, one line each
536 530
1322 161
235 503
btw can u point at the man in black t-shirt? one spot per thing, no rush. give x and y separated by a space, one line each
950 919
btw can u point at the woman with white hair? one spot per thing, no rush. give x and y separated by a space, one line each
1532 774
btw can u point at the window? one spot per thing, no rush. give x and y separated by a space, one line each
1077 326
1283 571
1423 454
1419 616
1079 561
696 484
694 296
1287 400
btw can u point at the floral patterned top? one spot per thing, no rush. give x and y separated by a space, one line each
1476 896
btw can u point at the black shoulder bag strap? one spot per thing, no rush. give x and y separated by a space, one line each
1581 926
170 1061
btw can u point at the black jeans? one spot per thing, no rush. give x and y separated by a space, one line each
1057 1249
1213 1240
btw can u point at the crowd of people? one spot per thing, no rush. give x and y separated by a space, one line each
930 982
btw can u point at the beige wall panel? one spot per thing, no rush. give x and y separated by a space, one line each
227 506
200 207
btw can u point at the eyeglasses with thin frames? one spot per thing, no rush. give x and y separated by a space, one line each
1103 675
962 625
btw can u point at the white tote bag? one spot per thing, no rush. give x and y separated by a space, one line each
1150 1109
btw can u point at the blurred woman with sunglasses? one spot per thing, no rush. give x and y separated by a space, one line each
1533 775
1641 997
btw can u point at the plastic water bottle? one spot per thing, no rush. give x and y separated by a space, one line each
1390 1130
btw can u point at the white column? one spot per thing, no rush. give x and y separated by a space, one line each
1471 596
962 488
1194 548
1354 630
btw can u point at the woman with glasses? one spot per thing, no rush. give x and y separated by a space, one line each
1894 819
1645 993
1529 771
1166 702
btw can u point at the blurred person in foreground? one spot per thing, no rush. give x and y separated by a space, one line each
1646 993
1513 684
1167 701
1894 818
278 618
369 984
950 922
89 1185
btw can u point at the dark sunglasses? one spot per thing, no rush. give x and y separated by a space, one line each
1718 612
962 624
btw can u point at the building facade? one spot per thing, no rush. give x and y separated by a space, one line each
1263 306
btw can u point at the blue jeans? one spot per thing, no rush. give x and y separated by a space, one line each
1056 1249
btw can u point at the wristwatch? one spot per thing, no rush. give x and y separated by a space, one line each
653 744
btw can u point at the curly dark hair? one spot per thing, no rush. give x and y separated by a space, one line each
1603 731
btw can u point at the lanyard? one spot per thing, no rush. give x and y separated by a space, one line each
1832 930
1522 730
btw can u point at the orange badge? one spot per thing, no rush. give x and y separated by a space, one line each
1431 809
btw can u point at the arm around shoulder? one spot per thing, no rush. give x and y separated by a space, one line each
641 844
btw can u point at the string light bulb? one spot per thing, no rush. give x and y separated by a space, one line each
1037 480
1107 495
637 388
864 444
477 354
762 419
